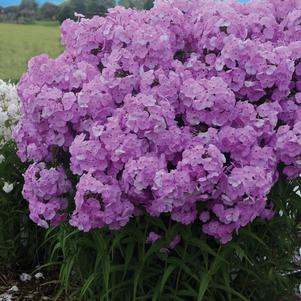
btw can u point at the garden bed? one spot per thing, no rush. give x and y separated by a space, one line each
42 289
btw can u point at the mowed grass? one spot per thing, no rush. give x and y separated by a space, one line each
19 43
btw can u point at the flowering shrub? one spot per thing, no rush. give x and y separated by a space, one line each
9 111
9 116
191 108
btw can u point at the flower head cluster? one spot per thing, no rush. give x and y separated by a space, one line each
100 203
44 190
193 104
9 110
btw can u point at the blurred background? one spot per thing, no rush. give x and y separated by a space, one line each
31 27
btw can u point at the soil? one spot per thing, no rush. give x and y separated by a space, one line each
13 289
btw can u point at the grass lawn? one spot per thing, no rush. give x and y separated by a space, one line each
19 43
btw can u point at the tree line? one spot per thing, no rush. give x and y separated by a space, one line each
29 10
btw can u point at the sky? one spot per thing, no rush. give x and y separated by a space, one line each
17 2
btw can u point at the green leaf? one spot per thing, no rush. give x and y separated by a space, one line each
205 279
162 282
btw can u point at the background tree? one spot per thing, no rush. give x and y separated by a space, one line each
132 3
27 11
88 7
98 7
65 12
69 8
139 4
28 5
49 11
148 4
78 6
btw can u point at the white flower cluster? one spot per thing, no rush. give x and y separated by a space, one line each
9 110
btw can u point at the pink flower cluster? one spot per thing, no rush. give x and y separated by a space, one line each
191 108
44 189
